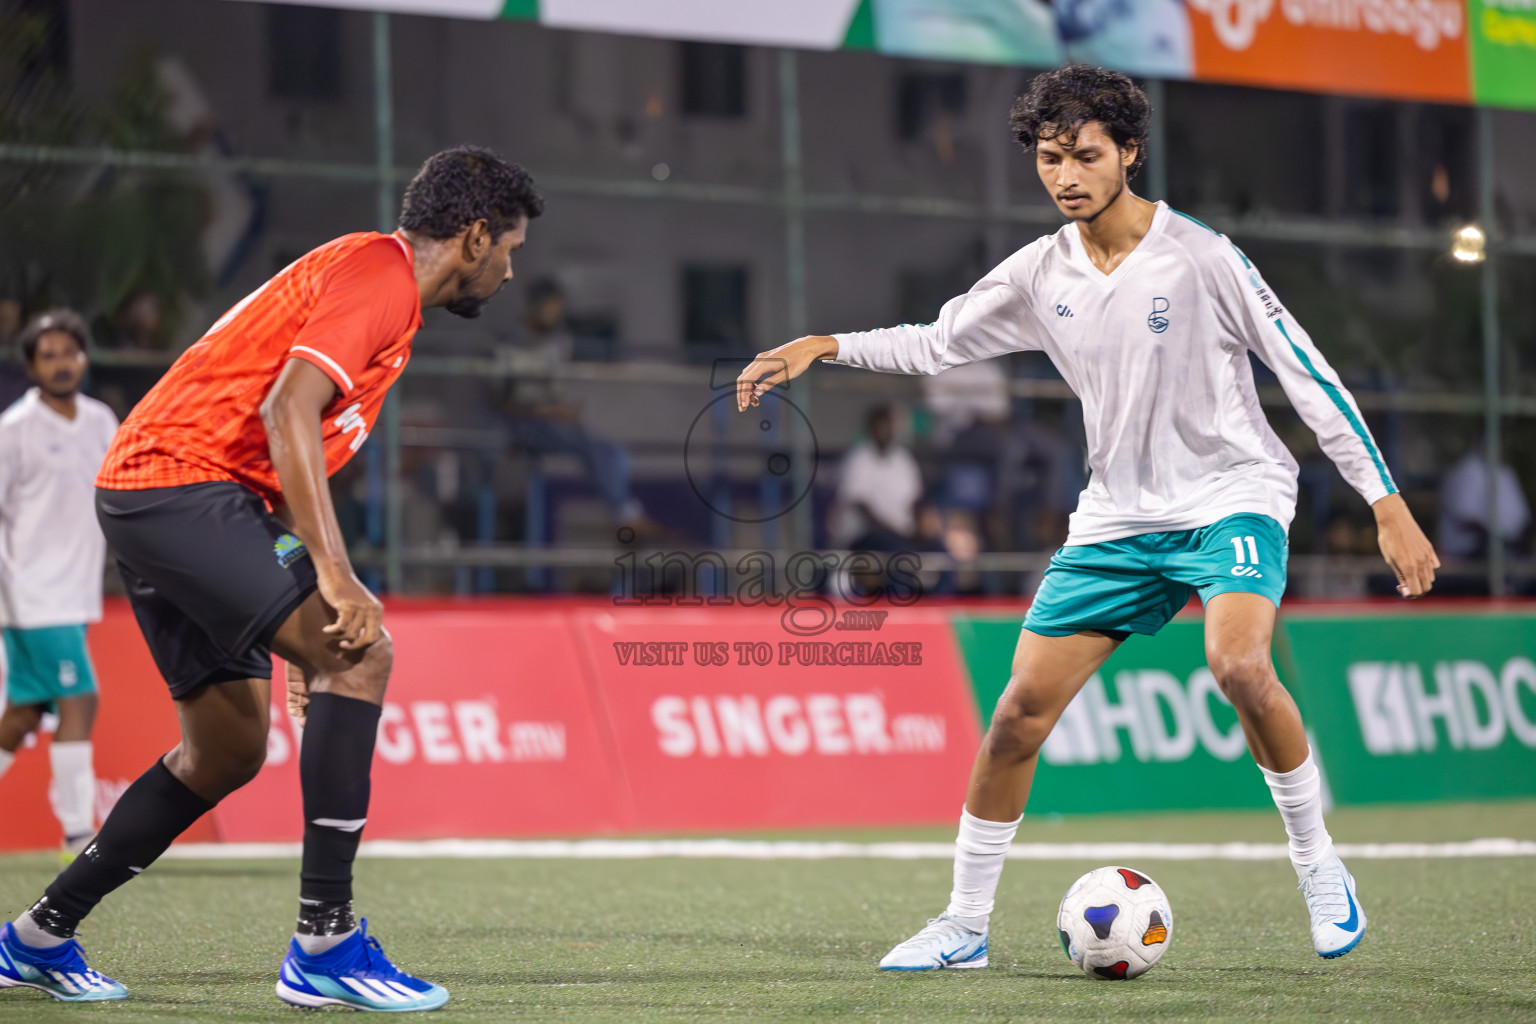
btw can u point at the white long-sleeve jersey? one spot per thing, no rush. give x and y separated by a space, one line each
1158 353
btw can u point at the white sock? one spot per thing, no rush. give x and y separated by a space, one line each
313 945
980 850
1298 794
6 757
74 787
31 933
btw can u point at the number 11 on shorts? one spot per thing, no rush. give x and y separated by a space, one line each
1253 557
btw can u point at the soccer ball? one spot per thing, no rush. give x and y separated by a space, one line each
1114 923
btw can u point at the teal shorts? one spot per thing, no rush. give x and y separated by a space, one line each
1136 584
43 666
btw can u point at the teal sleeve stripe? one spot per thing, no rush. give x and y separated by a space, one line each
1189 218
1338 401
1213 231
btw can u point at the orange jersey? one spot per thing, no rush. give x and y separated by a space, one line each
349 307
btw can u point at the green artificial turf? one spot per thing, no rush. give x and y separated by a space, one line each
653 940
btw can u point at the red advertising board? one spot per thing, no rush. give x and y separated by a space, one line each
487 730
512 719
135 724
723 719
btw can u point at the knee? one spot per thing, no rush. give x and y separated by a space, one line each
215 773
365 677
370 677
24 718
1245 678
1019 728
245 761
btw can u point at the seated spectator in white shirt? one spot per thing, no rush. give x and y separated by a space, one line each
1464 519
879 487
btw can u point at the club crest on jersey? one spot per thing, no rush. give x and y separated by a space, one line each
288 549
351 419
1156 321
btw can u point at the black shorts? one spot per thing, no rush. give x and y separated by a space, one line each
211 575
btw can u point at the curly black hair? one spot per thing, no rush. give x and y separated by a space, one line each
459 186
1058 103
65 320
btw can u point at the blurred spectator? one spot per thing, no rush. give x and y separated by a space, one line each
1052 478
879 487
965 395
137 323
1464 513
12 316
541 417
13 374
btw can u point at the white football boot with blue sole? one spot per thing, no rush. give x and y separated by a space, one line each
353 973
944 943
1338 920
60 971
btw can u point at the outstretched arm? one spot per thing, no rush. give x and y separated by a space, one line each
992 318
291 414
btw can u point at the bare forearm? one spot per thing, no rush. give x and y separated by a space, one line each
294 444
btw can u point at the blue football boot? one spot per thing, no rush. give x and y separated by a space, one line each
354 973
60 971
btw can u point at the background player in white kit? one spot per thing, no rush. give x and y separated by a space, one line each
1150 316
52 553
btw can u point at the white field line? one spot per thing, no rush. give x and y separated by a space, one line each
746 849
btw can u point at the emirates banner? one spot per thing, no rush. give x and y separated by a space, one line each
1457 51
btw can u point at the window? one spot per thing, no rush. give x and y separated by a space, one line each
38 32
303 52
928 103
1371 174
714 80
1447 173
714 311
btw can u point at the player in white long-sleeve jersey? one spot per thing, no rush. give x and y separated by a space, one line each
1150 316
52 441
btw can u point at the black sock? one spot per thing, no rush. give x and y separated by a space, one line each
152 812
334 766
320 918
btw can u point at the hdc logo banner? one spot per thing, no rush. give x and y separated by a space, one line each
1148 731
1420 706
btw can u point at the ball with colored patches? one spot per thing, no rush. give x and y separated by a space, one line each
1114 923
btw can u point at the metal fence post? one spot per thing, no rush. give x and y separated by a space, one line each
1492 397
795 283
1157 134
384 130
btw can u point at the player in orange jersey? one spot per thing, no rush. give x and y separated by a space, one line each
214 498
